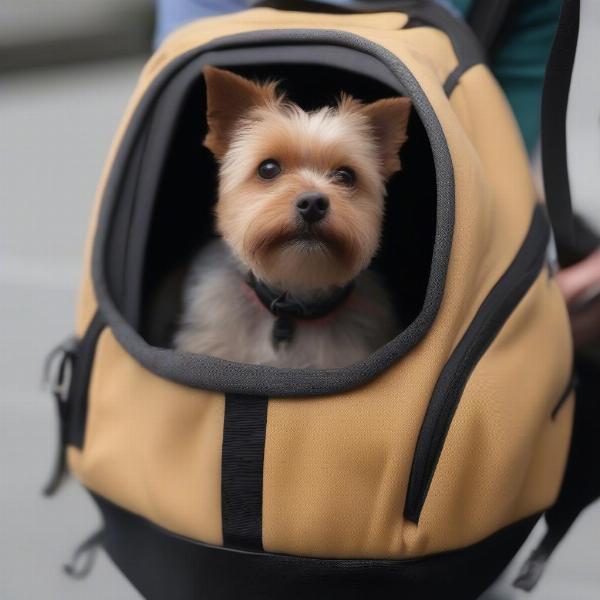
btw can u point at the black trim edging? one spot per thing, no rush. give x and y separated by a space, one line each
242 460
421 13
163 565
489 320
215 374
553 138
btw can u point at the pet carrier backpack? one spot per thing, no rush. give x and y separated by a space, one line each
420 470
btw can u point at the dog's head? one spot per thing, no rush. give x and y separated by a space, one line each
301 195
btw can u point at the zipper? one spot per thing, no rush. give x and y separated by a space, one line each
569 388
491 316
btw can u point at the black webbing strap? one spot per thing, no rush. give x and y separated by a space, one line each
487 18
58 374
554 125
242 458
581 484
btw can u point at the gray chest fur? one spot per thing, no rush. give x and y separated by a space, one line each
222 317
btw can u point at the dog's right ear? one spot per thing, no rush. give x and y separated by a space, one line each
389 118
228 98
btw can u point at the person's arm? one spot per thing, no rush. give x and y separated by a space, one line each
171 14
580 285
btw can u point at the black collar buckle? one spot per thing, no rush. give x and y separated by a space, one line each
287 309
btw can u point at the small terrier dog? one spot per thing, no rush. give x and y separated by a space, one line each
299 211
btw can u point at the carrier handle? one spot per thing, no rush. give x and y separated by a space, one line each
352 6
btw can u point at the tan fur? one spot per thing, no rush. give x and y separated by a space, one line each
250 122
389 118
224 109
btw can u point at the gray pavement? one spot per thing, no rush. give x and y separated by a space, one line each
55 129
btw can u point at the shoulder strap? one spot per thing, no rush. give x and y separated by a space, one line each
581 483
554 124
487 17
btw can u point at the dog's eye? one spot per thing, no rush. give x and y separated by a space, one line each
345 176
269 169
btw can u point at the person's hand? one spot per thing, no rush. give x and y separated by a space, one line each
580 285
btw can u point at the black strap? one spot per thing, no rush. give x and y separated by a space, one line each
554 126
163 566
581 485
487 18
242 457
58 373
67 371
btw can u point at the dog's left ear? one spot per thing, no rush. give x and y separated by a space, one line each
389 118
229 97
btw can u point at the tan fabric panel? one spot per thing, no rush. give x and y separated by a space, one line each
428 44
152 446
504 456
202 31
336 470
493 130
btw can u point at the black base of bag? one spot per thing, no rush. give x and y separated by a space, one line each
162 565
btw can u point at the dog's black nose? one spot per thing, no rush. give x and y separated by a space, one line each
312 206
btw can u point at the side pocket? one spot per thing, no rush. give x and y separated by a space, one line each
78 391
491 316
67 372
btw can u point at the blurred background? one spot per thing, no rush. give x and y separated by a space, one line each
67 68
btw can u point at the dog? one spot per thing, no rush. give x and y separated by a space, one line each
299 213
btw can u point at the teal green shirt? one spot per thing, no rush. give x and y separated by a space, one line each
519 59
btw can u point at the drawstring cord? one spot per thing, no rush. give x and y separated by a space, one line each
84 556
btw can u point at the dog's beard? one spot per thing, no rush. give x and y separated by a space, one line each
306 239
301 257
